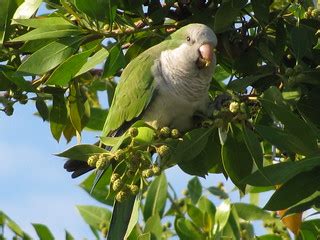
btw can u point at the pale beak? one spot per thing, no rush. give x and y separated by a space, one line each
206 55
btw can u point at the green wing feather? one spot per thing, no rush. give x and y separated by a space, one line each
135 88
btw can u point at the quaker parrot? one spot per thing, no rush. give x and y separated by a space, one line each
166 85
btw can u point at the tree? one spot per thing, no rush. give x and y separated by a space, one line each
265 136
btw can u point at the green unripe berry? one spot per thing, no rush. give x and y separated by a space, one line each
243 107
156 170
133 132
134 189
130 173
310 9
298 68
168 224
104 231
147 173
315 13
101 163
9 110
121 196
175 133
114 177
117 185
118 155
102 225
164 132
289 72
218 122
185 192
234 107
92 160
23 99
163 150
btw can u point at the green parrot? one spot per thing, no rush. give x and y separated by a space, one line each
166 85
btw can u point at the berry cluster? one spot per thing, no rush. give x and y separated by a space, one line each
312 13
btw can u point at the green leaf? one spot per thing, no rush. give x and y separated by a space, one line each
42 109
94 215
13 226
156 197
302 40
186 230
81 152
236 158
146 135
68 69
153 225
7 10
269 237
49 56
43 231
98 9
50 32
291 121
101 189
209 211
242 83
192 144
195 189
293 191
279 173
261 10
27 9
121 216
209 159
69 236
134 217
250 212
58 116
97 118
222 215
145 236
218 192
115 61
220 73
225 16
44 22
196 215
253 146
93 61
283 140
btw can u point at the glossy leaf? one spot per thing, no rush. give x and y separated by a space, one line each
97 119
58 116
7 10
222 215
134 217
250 212
96 59
42 109
94 215
225 16
236 158
253 146
186 230
156 197
81 152
44 22
196 215
27 9
192 144
279 173
296 189
195 189
101 189
261 10
121 216
115 61
153 225
43 231
49 56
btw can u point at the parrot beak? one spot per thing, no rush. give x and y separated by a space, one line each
206 53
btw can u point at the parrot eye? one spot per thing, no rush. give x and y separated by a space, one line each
188 39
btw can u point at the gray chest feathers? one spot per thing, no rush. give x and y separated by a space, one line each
181 91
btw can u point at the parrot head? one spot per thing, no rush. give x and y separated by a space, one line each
196 44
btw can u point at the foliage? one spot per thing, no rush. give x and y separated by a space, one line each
265 134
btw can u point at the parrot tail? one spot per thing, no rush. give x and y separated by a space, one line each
78 167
